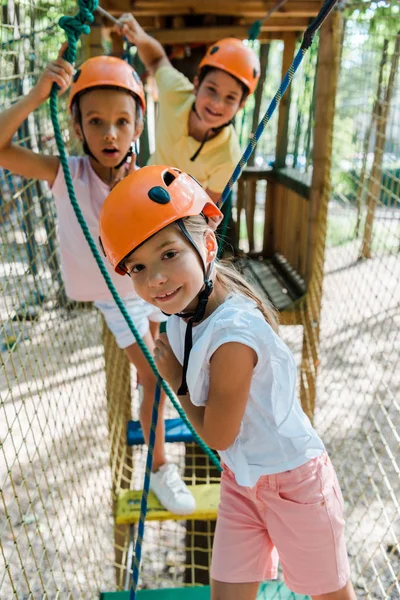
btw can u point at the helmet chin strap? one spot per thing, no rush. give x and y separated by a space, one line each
207 134
198 313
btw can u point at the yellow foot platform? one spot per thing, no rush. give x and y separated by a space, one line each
206 496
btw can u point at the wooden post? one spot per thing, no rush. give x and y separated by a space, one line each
284 107
92 45
118 390
251 184
374 186
264 55
326 84
117 44
199 534
270 202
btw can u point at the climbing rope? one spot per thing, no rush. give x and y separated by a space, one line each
74 27
305 45
145 494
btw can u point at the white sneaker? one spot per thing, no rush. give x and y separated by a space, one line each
172 491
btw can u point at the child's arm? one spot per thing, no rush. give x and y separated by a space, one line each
23 161
151 52
231 371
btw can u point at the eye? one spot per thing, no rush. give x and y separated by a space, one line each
95 121
170 254
123 121
136 269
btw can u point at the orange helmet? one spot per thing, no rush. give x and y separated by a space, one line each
143 204
232 56
107 71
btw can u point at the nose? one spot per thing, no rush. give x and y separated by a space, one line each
110 133
156 278
218 101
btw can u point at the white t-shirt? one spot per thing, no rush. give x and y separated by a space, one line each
275 434
82 277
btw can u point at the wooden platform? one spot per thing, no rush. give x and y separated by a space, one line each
206 496
275 278
270 590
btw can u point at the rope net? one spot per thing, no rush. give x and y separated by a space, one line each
67 391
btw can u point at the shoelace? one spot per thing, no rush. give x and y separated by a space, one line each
175 483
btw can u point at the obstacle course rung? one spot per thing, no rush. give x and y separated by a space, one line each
175 431
271 590
206 496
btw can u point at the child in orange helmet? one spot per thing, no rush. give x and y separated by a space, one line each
107 104
194 128
236 380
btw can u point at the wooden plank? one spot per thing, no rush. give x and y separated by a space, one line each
251 191
211 34
254 10
206 496
304 229
292 179
285 218
269 589
291 249
269 237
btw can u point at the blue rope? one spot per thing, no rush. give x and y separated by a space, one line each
145 493
306 43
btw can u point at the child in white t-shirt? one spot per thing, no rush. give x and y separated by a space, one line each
107 104
236 380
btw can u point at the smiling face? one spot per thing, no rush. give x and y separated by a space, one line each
109 122
166 270
218 98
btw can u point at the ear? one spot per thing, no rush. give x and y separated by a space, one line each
77 130
211 246
138 130
243 102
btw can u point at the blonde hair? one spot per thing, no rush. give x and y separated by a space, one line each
229 278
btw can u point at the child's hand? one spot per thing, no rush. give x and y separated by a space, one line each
129 28
59 71
168 365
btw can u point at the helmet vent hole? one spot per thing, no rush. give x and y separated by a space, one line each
214 49
168 178
76 76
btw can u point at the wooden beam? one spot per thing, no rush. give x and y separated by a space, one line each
211 34
254 10
326 85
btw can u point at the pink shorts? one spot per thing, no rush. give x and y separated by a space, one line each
295 517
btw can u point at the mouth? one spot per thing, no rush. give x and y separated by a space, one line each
166 296
112 152
212 113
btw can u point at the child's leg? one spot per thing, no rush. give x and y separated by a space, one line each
166 481
346 593
233 591
148 381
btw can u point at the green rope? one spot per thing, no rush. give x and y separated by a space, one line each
74 27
